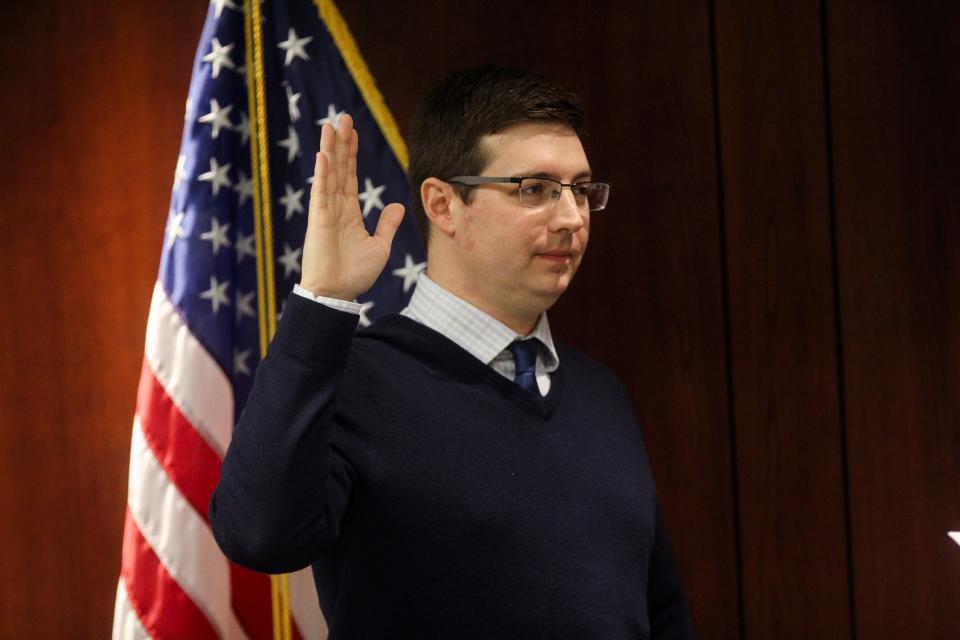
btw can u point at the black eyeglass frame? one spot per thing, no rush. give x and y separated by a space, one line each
473 181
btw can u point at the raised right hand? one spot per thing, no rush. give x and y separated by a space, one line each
340 259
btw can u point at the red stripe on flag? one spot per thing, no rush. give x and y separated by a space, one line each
164 609
194 468
189 461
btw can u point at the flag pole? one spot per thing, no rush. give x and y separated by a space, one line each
263 231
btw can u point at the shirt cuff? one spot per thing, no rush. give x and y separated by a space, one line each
333 303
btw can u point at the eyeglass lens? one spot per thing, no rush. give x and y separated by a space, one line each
539 192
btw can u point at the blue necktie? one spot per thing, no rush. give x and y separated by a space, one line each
525 356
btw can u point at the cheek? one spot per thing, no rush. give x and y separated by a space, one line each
584 233
467 242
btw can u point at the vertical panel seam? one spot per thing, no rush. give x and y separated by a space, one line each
727 333
838 323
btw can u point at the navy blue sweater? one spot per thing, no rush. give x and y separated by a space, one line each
437 499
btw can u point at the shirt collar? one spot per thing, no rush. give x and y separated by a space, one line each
476 331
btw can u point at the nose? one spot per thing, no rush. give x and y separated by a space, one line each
567 214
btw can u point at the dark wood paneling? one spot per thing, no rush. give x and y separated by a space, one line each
896 100
782 321
652 273
90 129
89 126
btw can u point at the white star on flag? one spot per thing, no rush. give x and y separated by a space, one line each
291 143
291 202
244 187
175 230
290 260
292 100
245 305
410 271
217 294
187 109
219 57
240 366
221 4
364 307
294 47
371 196
955 535
245 246
219 117
180 173
243 128
217 176
332 118
217 235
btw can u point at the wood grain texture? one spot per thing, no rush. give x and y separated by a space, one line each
782 321
89 127
896 96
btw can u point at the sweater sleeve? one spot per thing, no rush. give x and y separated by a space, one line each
283 489
667 609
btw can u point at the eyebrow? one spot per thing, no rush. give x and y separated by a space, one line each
583 176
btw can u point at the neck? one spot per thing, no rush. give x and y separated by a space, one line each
522 322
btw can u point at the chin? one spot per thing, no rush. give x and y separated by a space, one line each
550 292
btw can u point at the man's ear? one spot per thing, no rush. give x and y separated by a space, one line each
437 197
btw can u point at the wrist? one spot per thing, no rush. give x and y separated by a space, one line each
319 291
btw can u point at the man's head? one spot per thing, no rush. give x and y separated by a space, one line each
453 117
490 243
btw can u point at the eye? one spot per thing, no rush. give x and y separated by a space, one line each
581 189
531 188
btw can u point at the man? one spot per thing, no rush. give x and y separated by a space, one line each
451 472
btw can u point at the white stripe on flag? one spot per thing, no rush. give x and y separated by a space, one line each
190 376
180 537
126 624
304 606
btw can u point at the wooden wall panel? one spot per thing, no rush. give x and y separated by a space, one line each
89 127
782 320
896 99
652 272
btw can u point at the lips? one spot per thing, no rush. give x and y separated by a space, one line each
557 257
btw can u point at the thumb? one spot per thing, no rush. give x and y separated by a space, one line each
390 219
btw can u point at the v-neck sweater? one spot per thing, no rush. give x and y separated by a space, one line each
436 498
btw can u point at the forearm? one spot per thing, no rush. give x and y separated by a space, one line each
282 490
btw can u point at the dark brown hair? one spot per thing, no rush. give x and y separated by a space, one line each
455 114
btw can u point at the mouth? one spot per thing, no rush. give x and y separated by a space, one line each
563 257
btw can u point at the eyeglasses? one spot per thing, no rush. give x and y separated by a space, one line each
540 192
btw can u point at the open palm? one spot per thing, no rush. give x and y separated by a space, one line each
340 258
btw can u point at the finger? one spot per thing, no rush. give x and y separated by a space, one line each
390 219
351 188
344 140
328 142
318 194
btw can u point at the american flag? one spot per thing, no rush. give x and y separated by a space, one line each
214 308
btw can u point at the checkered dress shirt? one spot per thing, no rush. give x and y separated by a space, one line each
478 333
